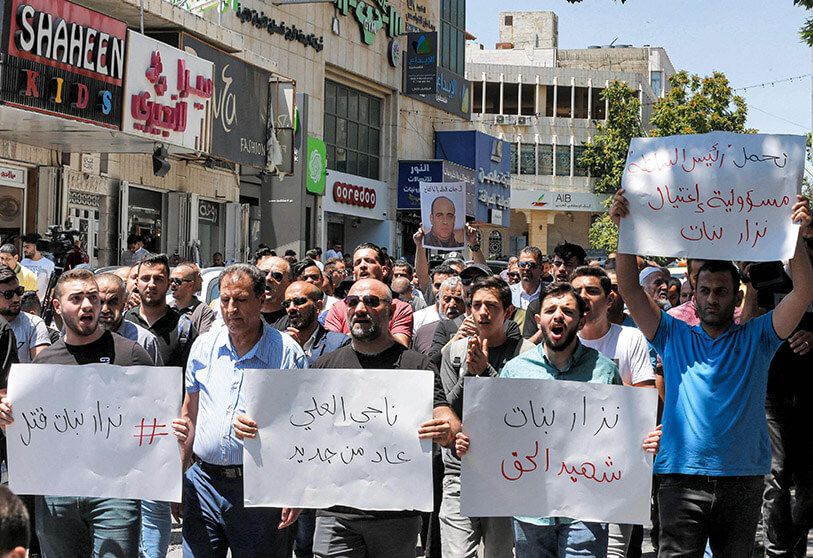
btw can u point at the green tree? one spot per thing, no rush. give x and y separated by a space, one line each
694 105
806 32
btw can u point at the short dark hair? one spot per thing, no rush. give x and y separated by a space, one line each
534 251
442 269
560 289
9 249
592 271
721 266
492 283
155 259
675 282
403 263
379 255
15 527
312 254
254 273
133 238
262 253
290 252
299 268
75 274
566 250
31 238
7 274
31 301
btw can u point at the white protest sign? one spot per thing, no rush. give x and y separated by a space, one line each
443 215
712 196
544 448
95 430
338 437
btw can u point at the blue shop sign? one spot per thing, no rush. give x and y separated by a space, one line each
489 157
412 173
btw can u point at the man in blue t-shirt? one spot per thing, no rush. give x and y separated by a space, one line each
715 448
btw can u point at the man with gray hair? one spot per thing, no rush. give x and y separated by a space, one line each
113 296
185 281
448 306
214 518
655 282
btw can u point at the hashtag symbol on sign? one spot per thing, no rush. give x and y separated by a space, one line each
152 431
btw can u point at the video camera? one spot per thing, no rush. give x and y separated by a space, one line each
60 243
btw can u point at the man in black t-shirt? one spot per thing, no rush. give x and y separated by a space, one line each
375 533
71 526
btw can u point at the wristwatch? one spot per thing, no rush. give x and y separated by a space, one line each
475 247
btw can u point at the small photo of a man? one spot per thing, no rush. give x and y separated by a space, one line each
443 214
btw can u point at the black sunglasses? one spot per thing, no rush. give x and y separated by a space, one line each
9 294
529 265
296 301
276 276
369 300
513 275
177 281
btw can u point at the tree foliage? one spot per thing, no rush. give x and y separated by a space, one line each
693 105
806 32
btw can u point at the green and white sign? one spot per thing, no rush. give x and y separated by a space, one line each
315 166
372 16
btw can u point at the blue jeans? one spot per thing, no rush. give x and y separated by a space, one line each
722 511
100 527
562 540
156 528
215 521
303 534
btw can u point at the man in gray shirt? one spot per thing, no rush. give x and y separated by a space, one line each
185 281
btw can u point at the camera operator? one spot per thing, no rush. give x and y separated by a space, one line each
788 407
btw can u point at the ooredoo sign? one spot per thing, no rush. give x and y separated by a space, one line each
353 195
356 196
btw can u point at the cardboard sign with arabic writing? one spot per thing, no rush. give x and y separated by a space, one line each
338 437
95 430
548 448
719 196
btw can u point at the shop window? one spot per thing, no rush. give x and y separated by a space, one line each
527 158
545 159
549 100
579 169
513 158
528 100
563 101
452 35
580 104
509 98
477 97
562 160
352 124
492 98
599 112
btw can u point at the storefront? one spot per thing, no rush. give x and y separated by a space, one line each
552 217
356 210
488 156
410 175
13 182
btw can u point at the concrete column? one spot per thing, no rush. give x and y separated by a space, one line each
483 106
519 94
572 97
502 90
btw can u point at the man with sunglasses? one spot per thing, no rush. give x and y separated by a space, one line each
30 331
530 284
278 275
343 531
369 263
185 281
308 270
303 302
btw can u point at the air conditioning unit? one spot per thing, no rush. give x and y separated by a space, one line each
500 119
524 121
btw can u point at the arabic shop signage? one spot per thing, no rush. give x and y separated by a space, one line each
557 201
421 69
452 94
273 27
207 212
168 94
417 18
315 166
372 16
239 105
484 153
412 173
64 60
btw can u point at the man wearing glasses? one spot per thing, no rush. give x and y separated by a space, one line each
530 284
185 281
278 276
30 331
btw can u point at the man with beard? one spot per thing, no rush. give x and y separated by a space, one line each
561 356
566 258
112 295
214 517
449 305
716 447
432 312
30 331
655 283
33 259
687 312
483 354
369 263
71 526
345 531
303 302
278 275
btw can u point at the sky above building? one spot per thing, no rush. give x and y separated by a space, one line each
753 42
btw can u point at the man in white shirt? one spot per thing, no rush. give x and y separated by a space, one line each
627 346
530 273
41 266
29 330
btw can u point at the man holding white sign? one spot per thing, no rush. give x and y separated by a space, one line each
561 357
715 449
73 526
349 531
